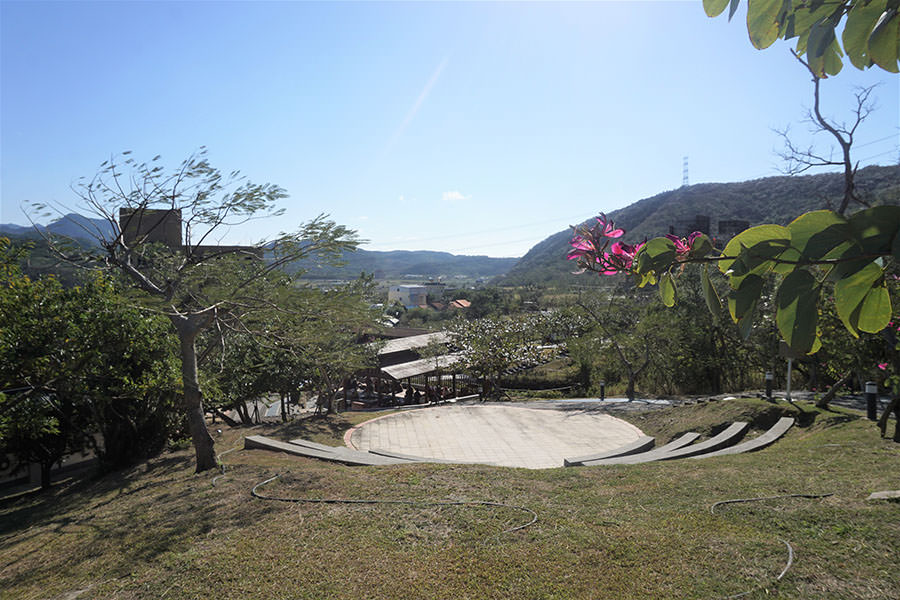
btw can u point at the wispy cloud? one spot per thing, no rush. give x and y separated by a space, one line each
410 115
454 196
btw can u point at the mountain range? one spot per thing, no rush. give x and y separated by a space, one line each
394 264
768 200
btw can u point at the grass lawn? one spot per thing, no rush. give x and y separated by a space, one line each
641 531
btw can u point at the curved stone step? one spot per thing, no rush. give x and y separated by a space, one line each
770 436
730 436
642 444
332 453
650 456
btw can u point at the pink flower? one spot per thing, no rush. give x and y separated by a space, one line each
621 256
607 228
683 246
883 366
580 247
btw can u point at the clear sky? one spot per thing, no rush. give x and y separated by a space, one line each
465 127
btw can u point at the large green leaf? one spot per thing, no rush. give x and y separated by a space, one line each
709 292
667 289
823 53
656 255
875 311
773 234
875 228
884 43
797 313
858 27
764 18
850 294
742 301
714 8
815 234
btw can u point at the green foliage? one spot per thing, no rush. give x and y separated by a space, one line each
820 246
871 30
75 363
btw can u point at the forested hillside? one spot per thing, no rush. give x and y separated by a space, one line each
768 200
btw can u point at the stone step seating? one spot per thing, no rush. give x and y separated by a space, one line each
679 442
723 444
321 451
768 438
341 454
731 435
642 444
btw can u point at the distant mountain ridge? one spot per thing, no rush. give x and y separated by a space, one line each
394 264
767 200
71 225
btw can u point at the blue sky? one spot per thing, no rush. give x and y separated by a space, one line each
465 127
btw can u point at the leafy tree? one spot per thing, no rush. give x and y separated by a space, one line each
75 362
490 345
196 287
617 320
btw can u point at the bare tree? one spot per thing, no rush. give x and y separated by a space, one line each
195 285
798 160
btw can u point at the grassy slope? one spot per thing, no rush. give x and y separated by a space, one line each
642 531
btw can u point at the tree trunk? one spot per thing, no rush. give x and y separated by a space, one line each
893 407
629 391
225 418
45 475
193 406
832 392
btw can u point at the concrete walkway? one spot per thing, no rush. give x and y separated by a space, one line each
499 434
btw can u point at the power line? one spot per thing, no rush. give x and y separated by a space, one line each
895 136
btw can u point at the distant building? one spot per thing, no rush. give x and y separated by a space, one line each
685 227
730 228
151 225
435 289
163 226
410 296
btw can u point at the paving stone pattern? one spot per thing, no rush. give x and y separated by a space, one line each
504 435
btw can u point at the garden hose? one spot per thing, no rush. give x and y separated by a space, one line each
533 514
790 549
256 494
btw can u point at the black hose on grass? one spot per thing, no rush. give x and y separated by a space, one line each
533 514
256 494
790 560
712 508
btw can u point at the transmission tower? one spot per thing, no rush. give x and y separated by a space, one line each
684 173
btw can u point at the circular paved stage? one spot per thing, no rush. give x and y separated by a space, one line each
508 435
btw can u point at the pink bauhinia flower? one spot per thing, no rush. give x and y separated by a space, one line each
621 256
683 246
883 366
607 228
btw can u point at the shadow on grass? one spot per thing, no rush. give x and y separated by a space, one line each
108 524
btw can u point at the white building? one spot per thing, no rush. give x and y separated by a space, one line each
410 296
